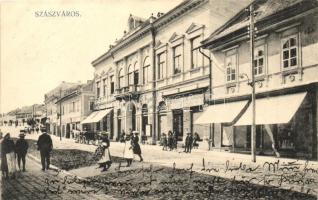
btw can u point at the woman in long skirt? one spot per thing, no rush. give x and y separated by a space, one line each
105 161
8 162
128 151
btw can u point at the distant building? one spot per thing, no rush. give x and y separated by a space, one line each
285 67
76 105
52 110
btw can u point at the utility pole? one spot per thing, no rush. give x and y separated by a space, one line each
60 114
251 36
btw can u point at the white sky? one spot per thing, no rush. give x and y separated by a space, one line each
38 53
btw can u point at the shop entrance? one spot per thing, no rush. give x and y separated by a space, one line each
178 123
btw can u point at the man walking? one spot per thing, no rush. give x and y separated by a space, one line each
45 146
21 148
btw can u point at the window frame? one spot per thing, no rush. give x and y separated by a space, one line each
161 64
177 57
289 49
234 54
257 59
104 87
195 49
121 78
145 71
98 89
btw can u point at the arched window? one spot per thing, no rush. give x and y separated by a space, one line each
162 107
145 72
136 73
130 75
120 78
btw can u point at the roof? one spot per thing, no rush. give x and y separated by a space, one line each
264 9
145 27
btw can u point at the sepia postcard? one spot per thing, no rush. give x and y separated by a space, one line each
159 99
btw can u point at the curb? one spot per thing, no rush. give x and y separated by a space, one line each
61 171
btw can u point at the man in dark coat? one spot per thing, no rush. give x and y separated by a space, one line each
45 146
21 148
188 143
7 146
135 145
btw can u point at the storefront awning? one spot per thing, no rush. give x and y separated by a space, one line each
96 116
273 110
221 113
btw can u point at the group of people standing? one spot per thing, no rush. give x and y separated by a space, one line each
11 151
131 147
171 141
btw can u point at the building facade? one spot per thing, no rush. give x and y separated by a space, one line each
285 68
154 78
52 109
75 106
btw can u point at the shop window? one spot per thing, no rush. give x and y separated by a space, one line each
259 60
290 52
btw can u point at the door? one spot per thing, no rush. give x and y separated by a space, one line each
178 123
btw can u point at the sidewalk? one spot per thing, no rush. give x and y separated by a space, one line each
288 173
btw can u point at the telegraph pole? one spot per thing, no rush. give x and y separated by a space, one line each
251 36
60 114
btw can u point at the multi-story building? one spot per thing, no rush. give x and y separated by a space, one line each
75 106
52 111
153 79
285 68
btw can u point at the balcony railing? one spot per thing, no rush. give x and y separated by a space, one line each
131 91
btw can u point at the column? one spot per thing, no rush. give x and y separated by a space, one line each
186 121
170 120
115 125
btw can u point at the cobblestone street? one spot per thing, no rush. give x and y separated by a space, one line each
33 184
296 175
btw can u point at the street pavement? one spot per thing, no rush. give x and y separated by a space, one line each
34 184
297 175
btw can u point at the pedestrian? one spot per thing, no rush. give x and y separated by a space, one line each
37 130
130 132
164 142
122 136
105 160
188 143
128 152
170 141
45 146
21 149
8 166
135 145
196 138
175 139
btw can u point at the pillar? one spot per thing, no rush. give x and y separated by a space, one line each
186 121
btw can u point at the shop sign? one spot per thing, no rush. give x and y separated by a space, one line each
187 101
